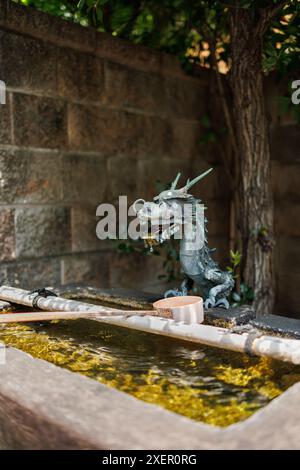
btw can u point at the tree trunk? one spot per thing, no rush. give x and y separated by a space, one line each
253 147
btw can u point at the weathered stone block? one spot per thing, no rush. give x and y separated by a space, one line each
127 53
221 255
107 131
39 122
155 174
163 137
133 140
86 269
84 222
274 90
276 324
285 143
185 140
218 218
84 178
234 316
136 271
80 75
42 231
287 219
185 98
30 177
215 185
142 57
7 234
130 88
285 181
122 177
158 138
27 63
32 274
5 121
90 128
49 27
287 271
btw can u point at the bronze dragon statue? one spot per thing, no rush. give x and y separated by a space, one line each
167 217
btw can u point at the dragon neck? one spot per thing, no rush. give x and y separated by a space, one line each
197 229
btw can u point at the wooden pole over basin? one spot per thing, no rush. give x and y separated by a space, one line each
149 321
50 316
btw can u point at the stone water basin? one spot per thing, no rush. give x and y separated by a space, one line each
205 384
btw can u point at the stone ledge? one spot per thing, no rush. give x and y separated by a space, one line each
127 297
276 324
31 273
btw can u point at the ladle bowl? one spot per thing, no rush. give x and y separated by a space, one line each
186 308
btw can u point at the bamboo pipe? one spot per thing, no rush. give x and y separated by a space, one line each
282 349
277 348
59 304
49 304
149 321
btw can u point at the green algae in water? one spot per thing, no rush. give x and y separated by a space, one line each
211 385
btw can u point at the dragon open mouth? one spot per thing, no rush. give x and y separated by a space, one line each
157 235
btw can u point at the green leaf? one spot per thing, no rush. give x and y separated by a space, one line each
250 294
205 120
208 137
81 4
99 15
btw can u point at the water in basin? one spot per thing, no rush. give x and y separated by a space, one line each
206 384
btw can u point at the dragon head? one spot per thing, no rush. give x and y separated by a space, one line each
169 211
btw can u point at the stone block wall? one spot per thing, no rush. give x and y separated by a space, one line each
88 117
285 151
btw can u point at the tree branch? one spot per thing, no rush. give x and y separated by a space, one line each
107 18
268 14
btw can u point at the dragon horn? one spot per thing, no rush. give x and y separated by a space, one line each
174 184
189 184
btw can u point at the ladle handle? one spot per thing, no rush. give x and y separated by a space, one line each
49 316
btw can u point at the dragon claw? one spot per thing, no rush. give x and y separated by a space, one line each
176 292
209 303
222 303
173 293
